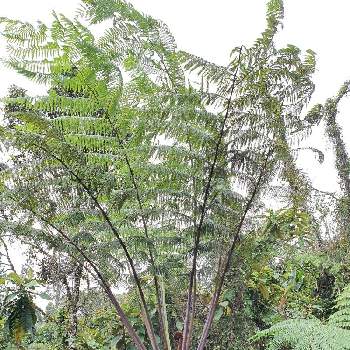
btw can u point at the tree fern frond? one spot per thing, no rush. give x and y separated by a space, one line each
312 333
305 335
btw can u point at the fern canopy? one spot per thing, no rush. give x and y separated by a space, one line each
148 164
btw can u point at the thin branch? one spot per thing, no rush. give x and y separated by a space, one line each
228 257
116 233
8 258
150 247
326 193
136 339
147 318
190 307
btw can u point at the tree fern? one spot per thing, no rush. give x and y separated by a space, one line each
123 156
341 317
312 333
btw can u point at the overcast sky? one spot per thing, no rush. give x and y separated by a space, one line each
211 29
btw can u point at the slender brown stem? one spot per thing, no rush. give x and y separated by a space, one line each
12 267
151 256
149 246
190 306
123 318
147 319
228 257
116 233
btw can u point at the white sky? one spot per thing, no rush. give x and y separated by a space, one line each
211 29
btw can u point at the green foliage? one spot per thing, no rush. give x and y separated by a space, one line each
21 317
306 334
312 333
18 308
127 158
341 317
287 223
